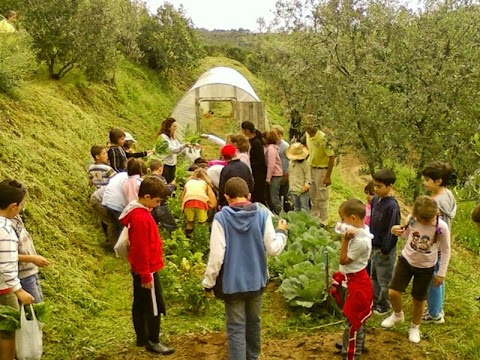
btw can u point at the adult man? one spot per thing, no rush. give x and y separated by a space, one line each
6 25
283 145
321 160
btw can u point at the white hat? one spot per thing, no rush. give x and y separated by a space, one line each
296 151
129 137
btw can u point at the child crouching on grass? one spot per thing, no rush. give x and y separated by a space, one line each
146 259
426 236
197 198
354 254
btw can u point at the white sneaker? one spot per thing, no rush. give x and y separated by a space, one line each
414 335
439 319
393 319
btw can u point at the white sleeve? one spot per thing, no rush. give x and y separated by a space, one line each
444 245
216 140
217 255
274 241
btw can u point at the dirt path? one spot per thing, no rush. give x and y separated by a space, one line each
380 345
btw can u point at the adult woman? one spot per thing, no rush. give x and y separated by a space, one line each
257 161
274 171
168 146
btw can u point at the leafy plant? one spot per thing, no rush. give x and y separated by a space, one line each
302 267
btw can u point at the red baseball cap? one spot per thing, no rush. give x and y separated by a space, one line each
228 151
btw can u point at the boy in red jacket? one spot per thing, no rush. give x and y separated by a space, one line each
145 258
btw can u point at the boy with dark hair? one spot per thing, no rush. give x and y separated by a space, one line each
234 168
354 255
145 258
247 229
12 195
100 172
162 214
385 214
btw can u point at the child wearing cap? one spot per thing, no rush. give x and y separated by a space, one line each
234 168
299 177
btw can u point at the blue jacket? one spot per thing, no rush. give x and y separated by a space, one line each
244 270
385 214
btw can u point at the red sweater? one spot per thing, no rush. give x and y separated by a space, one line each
145 253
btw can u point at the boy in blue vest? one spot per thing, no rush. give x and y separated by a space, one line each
247 229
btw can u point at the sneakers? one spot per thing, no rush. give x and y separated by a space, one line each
414 334
381 312
393 319
159 348
428 319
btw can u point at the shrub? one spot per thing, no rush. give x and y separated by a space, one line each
17 60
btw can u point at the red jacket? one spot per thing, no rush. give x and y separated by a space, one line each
145 252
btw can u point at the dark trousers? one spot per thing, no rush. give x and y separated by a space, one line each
169 173
148 305
114 216
259 186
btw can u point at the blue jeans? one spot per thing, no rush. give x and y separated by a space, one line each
301 202
381 274
436 295
275 185
31 284
243 327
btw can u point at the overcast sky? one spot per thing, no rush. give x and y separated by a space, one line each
228 14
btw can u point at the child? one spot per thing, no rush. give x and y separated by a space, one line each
234 168
354 255
114 200
385 214
128 145
197 198
117 154
437 176
145 258
300 177
161 213
242 144
136 168
274 171
29 261
12 199
247 229
100 172
426 235
370 192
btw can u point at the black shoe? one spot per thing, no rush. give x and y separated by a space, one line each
159 348
339 345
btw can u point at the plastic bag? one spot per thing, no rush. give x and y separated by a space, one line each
28 338
123 243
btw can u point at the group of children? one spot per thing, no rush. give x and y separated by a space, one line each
425 256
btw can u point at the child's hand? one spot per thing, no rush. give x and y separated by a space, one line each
150 152
148 286
24 297
305 188
282 225
397 230
438 280
40 261
349 234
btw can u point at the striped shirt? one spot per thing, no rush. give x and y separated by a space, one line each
100 174
9 280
